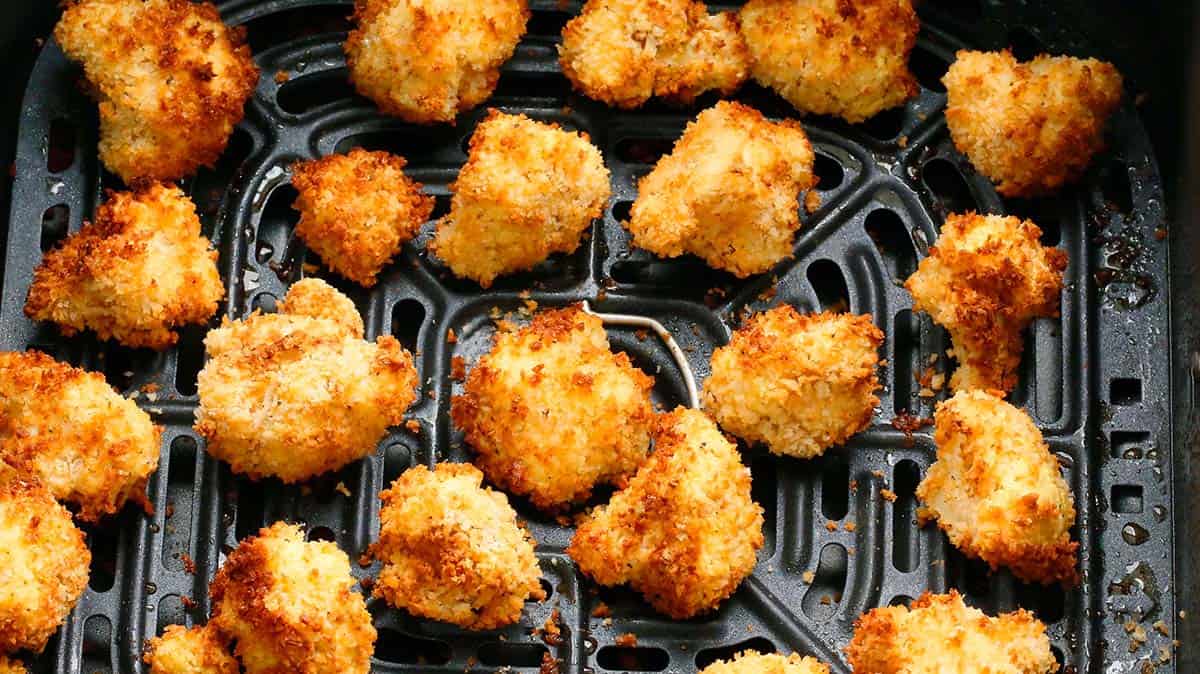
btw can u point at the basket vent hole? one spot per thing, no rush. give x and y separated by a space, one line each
829 172
968 576
892 240
275 224
102 541
901 600
1047 602
1125 391
1024 44
928 69
56 220
547 23
396 460
1045 213
282 27
835 488
907 548
1058 656
547 588
829 582
1126 498
622 210
310 92
170 612
1129 444
906 337
189 358
441 206
60 146
122 365
97 645
827 280
763 489
407 317
549 88
948 186
887 124
398 647
251 509
643 150
967 11
1116 188
633 658
322 534
710 655
180 484
507 654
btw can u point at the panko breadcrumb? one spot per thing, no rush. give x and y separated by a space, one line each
357 210
199 650
453 551
140 269
428 60
685 531
833 57
11 666
1030 127
942 634
299 393
290 607
89 445
171 80
552 412
997 491
528 189
749 662
622 52
986 278
797 383
727 192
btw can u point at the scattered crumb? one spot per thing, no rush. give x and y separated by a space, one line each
602 610
458 368
826 600
937 381
878 473
627 640
1161 628
549 664
367 583
812 201
451 338
1160 234
642 335
189 565
608 622
149 388
188 602
883 362
413 425
342 489
926 392
170 509
902 141
550 632
850 526
831 525
282 76
364 560
808 577
888 495
853 486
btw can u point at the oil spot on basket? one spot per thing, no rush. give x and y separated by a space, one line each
827 281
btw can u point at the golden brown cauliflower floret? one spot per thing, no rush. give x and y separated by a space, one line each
88 444
136 272
453 551
299 393
833 57
996 489
685 531
11 666
428 60
985 280
727 192
290 607
357 210
200 650
942 634
749 662
797 383
552 412
1030 127
171 80
622 52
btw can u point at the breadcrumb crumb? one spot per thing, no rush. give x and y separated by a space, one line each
199 650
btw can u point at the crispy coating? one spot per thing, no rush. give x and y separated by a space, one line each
140 269
552 412
727 192
200 650
453 551
1030 127
942 634
749 662
11 666
88 444
985 280
997 491
290 607
428 60
528 189
43 564
357 210
833 57
298 393
171 80
622 52
797 383
685 531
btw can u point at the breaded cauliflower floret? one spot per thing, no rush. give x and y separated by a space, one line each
685 531
552 412
941 634
997 491
11 666
528 189
299 393
622 52
833 57
88 444
797 383
134 274
985 280
749 662
171 80
43 564
727 192
428 60
200 650
357 210
290 607
453 551
1030 127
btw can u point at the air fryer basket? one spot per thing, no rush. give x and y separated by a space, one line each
1096 380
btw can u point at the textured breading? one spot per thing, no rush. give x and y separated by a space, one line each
997 490
88 444
1030 127
685 531
622 52
528 189
171 80
797 383
428 60
985 279
298 393
727 192
749 662
290 606
43 564
140 269
453 551
199 650
357 210
11 666
552 412
833 57
941 634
